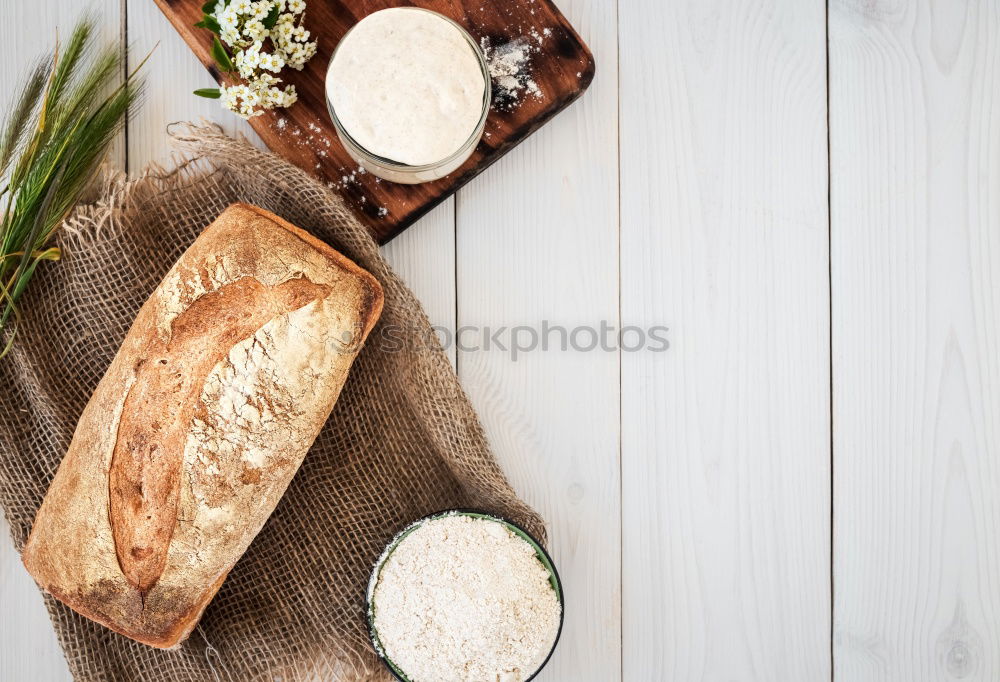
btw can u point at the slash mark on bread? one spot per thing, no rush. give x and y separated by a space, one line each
144 480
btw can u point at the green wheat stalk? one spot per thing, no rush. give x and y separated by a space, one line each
53 140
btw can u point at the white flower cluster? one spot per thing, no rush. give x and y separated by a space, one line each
244 28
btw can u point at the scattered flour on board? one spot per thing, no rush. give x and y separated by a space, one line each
313 138
463 599
510 69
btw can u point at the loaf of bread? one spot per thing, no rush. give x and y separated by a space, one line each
222 384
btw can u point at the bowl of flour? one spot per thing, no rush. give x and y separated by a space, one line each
464 596
409 92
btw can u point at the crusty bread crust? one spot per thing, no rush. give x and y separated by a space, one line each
370 308
225 379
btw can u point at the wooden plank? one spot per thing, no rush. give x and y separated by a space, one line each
915 135
424 258
304 134
28 646
725 436
537 240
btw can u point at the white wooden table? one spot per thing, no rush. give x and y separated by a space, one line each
807 484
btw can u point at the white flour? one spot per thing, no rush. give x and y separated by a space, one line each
463 599
407 86
510 69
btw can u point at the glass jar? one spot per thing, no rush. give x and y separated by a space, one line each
394 171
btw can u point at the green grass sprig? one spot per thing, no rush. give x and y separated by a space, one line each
52 143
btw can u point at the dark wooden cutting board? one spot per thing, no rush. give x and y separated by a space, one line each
561 66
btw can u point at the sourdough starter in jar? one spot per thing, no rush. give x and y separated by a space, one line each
407 85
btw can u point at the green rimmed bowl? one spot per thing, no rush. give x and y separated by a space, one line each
540 552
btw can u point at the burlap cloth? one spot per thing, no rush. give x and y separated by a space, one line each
403 440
